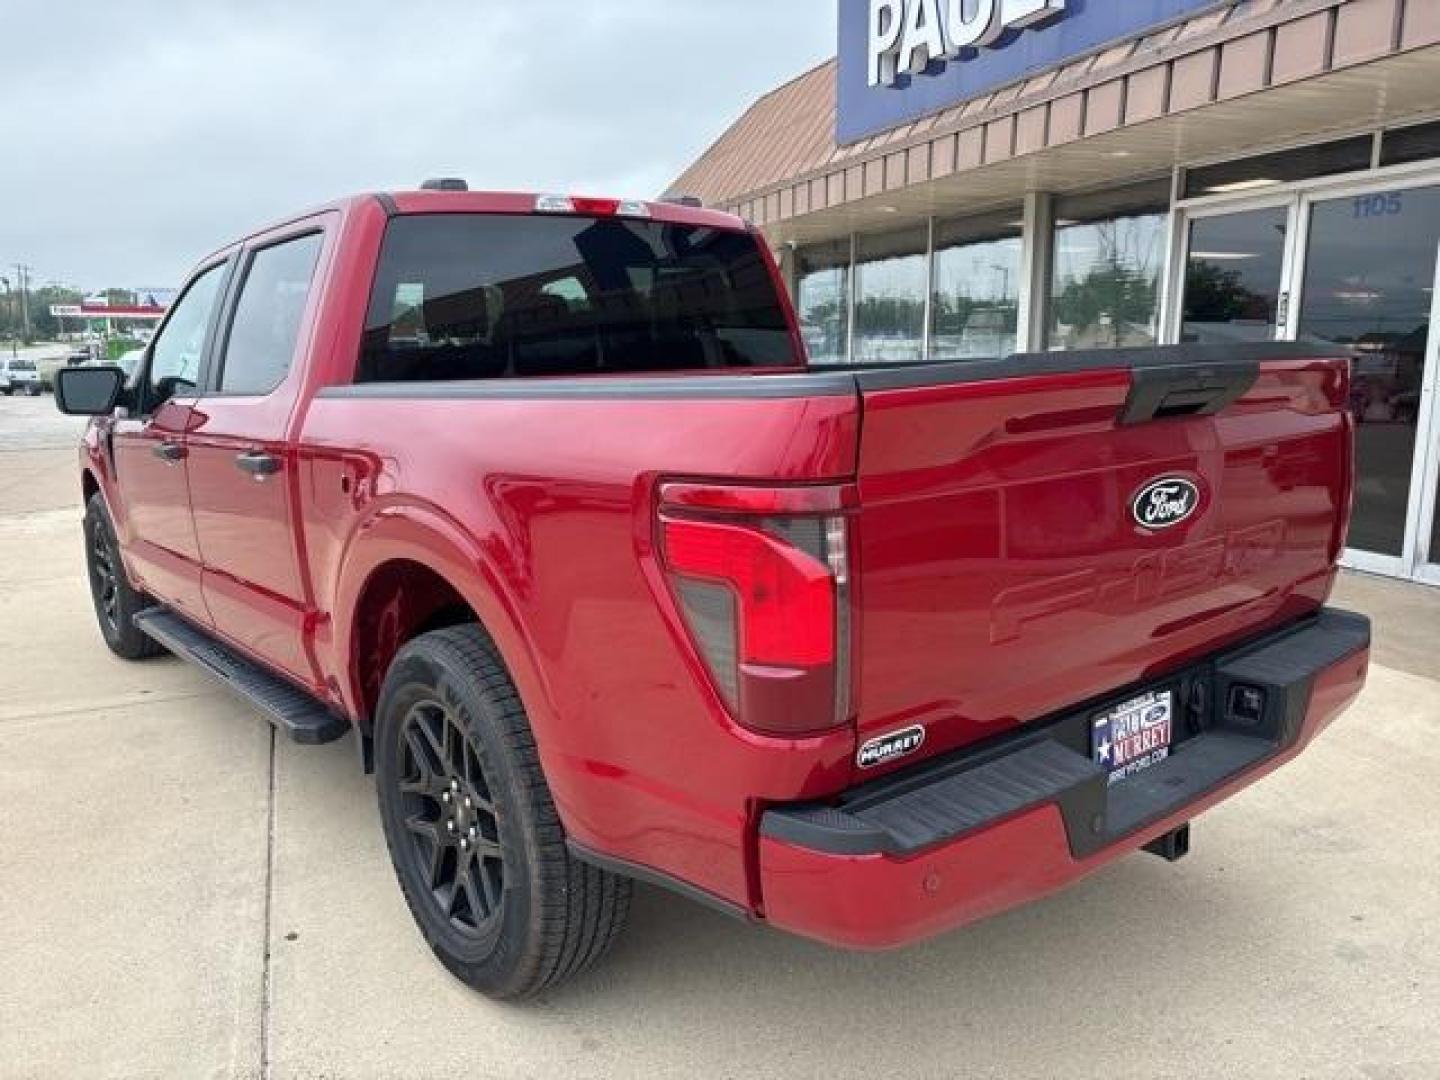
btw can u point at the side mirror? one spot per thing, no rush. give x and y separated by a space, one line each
169 386
88 391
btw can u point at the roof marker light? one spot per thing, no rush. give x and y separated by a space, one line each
577 204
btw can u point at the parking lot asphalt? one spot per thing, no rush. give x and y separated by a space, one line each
181 895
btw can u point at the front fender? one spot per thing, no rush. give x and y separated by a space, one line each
97 463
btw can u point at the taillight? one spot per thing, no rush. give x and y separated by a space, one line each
766 598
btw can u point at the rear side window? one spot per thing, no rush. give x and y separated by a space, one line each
487 296
266 326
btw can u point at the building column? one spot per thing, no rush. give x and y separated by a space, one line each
1035 262
850 296
929 287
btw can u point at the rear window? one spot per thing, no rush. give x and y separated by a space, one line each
488 296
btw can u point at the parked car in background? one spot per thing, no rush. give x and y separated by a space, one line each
129 361
541 498
18 375
46 367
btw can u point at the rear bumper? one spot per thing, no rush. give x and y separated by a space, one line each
973 834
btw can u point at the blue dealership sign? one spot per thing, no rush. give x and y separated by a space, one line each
904 59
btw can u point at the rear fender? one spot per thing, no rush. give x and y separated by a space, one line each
426 535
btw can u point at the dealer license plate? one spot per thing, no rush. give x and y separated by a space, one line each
1134 735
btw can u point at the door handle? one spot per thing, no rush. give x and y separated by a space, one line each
258 464
169 452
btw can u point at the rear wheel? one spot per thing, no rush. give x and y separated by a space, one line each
472 830
117 602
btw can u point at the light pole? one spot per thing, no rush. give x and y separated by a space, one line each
1001 331
24 272
14 349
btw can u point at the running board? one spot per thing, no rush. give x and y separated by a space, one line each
304 718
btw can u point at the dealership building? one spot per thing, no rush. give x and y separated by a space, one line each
978 177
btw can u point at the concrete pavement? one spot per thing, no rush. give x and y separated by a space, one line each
183 896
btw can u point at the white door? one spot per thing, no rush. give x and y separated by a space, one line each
1427 549
1366 279
1233 265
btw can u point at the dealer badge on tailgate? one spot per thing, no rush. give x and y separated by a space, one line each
1134 735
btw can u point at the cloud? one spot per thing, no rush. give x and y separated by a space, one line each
138 136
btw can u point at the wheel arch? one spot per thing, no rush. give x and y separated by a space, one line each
89 486
97 477
92 483
409 570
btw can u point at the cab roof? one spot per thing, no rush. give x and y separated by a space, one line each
420 201
518 202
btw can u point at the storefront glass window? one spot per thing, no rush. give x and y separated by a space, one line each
1232 277
1369 281
890 283
1419 143
1435 528
1109 257
977 288
822 301
1284 166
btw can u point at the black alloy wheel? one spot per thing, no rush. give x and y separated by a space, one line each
103 583
451 818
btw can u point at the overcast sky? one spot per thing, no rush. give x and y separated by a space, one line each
137 136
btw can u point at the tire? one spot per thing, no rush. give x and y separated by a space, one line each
117 602
510 912
32 391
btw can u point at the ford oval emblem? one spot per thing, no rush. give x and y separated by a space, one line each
1165 503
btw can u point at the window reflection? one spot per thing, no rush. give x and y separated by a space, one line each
890 283
1268 170
977 290
1435 529
1109 255
1106 289
1232 277
822 301
1369 276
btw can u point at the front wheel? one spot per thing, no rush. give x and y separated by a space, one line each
471 827
117 602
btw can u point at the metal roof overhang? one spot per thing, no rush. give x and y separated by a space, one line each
1381 92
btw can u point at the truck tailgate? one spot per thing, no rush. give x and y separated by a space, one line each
1016 555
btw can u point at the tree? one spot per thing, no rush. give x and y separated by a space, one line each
42 323
1216 295
1111 295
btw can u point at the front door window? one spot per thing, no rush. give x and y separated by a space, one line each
176 354
1369 280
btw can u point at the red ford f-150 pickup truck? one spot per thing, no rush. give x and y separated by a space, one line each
540 497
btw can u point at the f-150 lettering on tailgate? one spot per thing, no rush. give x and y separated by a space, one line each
1151 577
